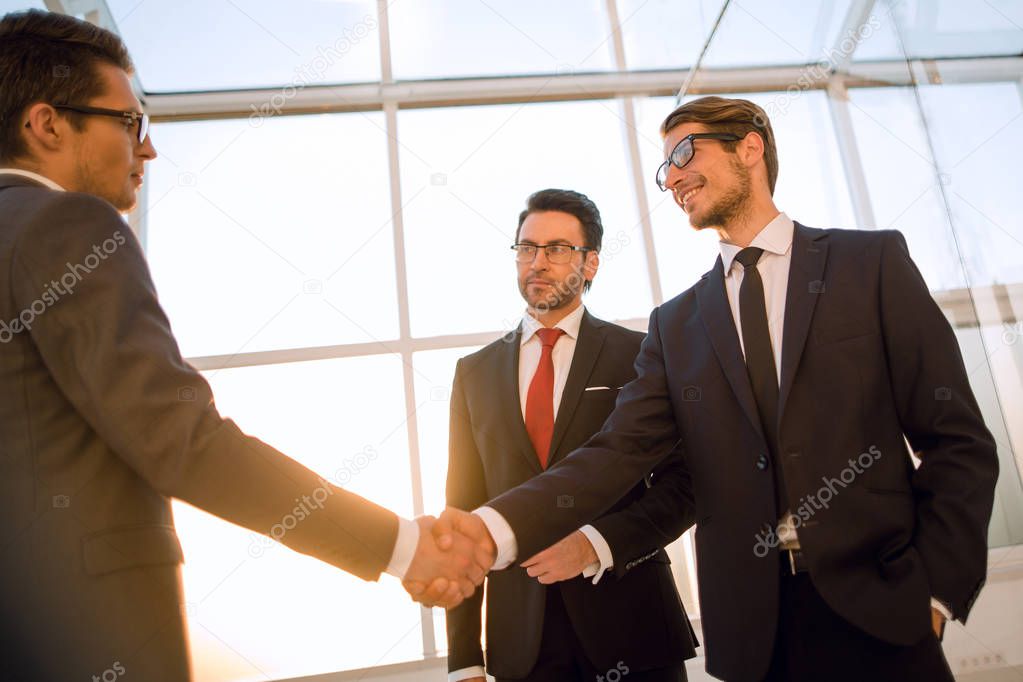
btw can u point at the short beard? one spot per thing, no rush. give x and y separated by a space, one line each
563 293
734 204
88 185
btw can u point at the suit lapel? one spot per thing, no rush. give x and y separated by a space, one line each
587 348
720 325
511 405
805 286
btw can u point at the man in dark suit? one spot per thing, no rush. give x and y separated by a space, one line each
519 406
102 421
794 372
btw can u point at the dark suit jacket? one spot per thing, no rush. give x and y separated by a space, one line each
635 614
102 423
867 358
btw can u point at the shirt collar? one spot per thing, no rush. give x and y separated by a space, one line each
569 324
776 238
42 180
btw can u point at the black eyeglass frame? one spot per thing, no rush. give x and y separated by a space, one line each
688 139
132 117
536 248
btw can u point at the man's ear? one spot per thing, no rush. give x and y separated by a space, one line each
751 148
45 129
591 265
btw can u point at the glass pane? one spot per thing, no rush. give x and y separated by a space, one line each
434 372
969 256
977 131
459 38
238 44
665 34
273 234
811 184
925 29
466 173
255 608
902 180
777 32
978 138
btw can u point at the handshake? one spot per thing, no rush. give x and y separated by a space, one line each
456 551
454 554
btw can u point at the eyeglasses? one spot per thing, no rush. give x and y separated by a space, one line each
130 118
559 254
684 152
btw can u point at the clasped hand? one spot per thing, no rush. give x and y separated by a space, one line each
452 558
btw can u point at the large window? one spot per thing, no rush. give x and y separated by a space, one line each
338 184
466 173
327 270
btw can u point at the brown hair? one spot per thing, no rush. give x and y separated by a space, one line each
50 57
736 116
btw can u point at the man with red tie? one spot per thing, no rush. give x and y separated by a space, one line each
518 406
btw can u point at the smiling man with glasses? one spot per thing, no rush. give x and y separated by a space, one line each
792 374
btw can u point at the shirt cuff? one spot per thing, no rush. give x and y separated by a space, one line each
404 548
467 673
604 559
941 608
503 536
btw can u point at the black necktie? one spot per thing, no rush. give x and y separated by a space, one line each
763 377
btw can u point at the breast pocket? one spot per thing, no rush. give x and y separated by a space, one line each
840 332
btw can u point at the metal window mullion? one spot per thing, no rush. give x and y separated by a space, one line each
494 90
404 334
401 288
856 177
856 17
642 204
384 28
634 160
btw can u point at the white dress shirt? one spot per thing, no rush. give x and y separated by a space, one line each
530 348
408 531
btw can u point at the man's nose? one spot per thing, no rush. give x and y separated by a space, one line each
539 260
674 177
148 151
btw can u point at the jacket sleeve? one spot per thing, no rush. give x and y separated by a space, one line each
108 346
954 485
638 435
466 489
665 511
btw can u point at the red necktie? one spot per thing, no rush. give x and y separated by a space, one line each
540 398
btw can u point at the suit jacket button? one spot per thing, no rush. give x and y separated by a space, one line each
762 462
